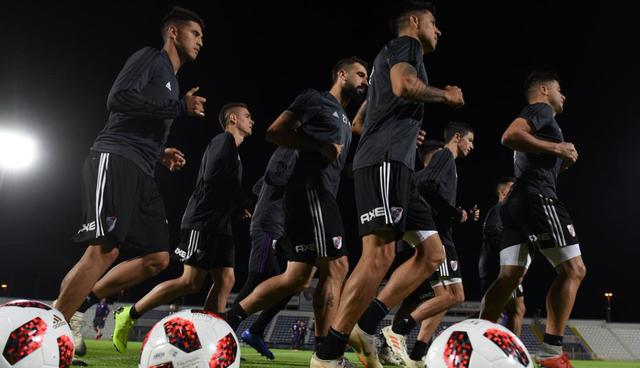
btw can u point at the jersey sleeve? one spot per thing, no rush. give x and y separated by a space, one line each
404 50
305 105
126 97
537 115
429 187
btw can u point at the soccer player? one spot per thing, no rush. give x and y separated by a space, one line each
121 205
438 184
316 125
489 262
533 218
206 245
383 178
267 230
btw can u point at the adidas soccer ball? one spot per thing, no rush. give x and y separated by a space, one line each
33 334
190 338
476 343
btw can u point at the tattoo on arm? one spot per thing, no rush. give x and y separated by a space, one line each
417 90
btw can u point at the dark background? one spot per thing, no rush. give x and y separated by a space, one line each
58 62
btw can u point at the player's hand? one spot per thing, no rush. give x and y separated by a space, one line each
173 159
331 151
422 135
453 96
245 214
195 104
568 153
464 216
474 213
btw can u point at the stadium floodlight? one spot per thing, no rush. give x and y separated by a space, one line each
17 150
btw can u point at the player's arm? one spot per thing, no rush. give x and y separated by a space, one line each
519 137
405 83
126 97
284 132
358 121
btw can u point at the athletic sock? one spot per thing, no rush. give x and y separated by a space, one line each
404 326
318 342
372 316
260 325
419 350
333 345
551 346
133 313
234 316
90 300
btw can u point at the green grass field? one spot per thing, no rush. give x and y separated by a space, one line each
101 354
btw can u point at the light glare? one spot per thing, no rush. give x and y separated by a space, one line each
17 151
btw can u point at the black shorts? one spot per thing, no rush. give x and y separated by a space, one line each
537 220
449 270
420 216
205 249
121 206
98 322
314 224
262 258
382 197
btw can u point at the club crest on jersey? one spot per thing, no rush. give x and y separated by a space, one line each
168 85
454 265
396 214
572 231
337 242
273 244
111 223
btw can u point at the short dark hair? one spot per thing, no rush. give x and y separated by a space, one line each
223 115
504 180
538 77
343 63
427 147
179 16
406 7
456 127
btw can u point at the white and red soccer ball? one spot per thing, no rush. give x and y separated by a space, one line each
476 343
34 334
193 338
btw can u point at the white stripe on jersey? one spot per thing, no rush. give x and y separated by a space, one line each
100 184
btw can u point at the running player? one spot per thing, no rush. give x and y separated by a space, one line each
383 177
533 217
206 245
121 205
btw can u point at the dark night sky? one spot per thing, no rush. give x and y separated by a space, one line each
58 63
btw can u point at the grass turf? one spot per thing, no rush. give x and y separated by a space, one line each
101 354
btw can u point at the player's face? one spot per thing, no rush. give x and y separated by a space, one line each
556 98
189 40
244 121
356 80
465 146
428 33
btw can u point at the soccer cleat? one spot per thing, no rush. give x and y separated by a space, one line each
415 364
257 342
397 343
124 324
385 355
75 324
558 361
341 362
365 347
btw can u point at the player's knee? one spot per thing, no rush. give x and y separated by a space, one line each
155 263
228 280
457 299
192 286
339 268
520 309
575 270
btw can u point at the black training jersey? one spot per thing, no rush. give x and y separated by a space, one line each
537 173
438 185
216 195
142 104
391 123
269 213
489 263
323 120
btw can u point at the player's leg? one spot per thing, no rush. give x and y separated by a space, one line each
223 280
326 298
514 311
130 273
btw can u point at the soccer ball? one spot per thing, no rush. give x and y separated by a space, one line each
33 334
190 338
476 343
